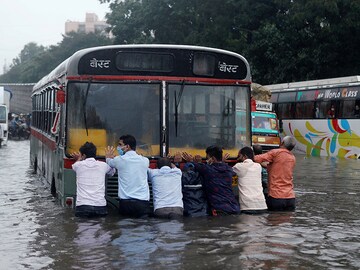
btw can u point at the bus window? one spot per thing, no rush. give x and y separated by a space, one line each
332 113
285 110
299 111
106 111
212 120
356 110
304 110
347 109
3 115
324 106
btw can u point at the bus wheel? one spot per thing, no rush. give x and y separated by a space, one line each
53 187
35 166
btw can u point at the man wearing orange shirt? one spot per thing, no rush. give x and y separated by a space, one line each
281 163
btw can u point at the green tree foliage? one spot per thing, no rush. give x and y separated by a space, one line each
35 61
284 40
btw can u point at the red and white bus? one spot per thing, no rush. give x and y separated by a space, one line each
170 97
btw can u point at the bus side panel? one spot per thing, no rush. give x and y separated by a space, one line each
325 137
50 165
68 186
34 145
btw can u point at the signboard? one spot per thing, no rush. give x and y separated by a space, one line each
263 106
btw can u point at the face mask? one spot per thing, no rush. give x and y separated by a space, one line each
120 150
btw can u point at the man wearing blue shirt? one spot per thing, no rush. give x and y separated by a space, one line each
166 185
217 181
132 168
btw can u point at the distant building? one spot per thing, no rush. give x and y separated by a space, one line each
21 96
91 24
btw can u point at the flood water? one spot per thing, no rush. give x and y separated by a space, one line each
323 233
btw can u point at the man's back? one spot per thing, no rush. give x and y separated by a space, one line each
195 203
280 172
166 185
218 187
132 175
90 181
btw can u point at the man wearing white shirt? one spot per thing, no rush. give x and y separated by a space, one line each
132 168
90 182
251 196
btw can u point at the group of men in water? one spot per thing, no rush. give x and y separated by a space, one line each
197 189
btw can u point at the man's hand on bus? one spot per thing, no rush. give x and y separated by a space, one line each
177 157
77 156
187 157
225 157
198 158
110 152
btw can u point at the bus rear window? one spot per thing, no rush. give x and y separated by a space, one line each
3 114
144 61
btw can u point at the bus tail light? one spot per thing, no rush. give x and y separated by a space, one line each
60 96
69 202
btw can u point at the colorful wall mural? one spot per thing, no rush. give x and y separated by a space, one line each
325 137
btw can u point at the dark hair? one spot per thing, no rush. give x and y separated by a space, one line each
129 140
215 151
257 149
247 151
164 161
88 149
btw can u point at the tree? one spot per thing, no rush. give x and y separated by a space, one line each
35 61
284 40
308 40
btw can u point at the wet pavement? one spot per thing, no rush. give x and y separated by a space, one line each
323 233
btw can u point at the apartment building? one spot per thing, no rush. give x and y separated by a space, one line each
91 24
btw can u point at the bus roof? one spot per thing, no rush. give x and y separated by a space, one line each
70 67
324 83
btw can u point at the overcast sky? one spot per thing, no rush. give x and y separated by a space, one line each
40 21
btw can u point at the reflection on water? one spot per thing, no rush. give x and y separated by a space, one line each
323 233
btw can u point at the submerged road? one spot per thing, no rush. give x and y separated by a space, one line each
323 233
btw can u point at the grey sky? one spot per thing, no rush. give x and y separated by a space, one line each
40 21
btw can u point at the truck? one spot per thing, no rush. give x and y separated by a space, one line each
264 122
5 96
264 126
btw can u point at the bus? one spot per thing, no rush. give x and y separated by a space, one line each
322 115
170 97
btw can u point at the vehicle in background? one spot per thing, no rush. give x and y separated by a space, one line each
18 128
170 97
264 126
5 96
322 115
